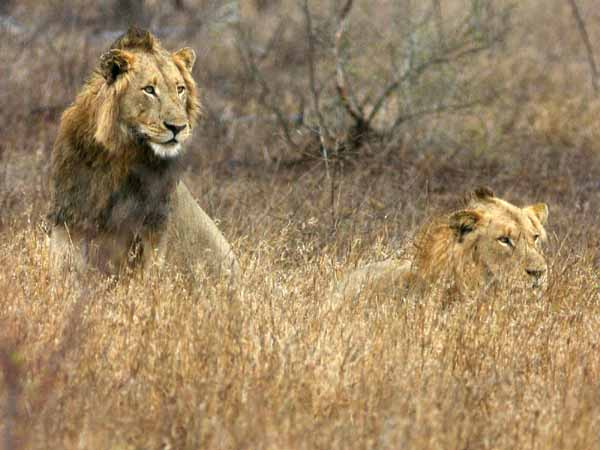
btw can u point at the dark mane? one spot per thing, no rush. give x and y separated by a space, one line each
135 38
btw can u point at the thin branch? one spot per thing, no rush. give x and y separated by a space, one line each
416 72
436 110
249 61
327 143
315 93
342 91
439 21
586 41
274 40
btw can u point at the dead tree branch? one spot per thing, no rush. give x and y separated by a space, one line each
439 21
362 126
414 72
445 55
346 101
324 134
435 51
439 109
328 144
249 60
587 43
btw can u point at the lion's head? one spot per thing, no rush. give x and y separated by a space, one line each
488 241
148 96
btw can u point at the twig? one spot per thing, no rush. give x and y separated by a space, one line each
435 110
586 41
346 101
327 142
417 71
249 61
274 40
315 94
439 21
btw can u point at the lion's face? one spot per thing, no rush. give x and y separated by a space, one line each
151 96
500 242
154 107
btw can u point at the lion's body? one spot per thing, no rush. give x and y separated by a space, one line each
383 276
117 198
196 239
488 242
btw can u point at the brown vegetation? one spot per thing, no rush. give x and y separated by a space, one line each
158 363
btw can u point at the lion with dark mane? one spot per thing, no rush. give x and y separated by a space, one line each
118 201
487 242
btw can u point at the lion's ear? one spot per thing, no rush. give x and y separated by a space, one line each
187 56
539 210
115 62
463 222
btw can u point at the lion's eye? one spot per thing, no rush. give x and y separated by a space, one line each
536 237
505 240
149 90
180 89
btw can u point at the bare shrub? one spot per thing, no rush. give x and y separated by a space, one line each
367 82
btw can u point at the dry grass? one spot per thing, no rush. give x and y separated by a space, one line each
157 363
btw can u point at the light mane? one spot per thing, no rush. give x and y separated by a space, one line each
436 253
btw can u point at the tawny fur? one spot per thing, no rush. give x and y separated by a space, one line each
488 241
117 198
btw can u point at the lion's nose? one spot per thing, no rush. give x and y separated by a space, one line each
175 128
535 273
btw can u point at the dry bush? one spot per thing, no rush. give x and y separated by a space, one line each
159 363
365 73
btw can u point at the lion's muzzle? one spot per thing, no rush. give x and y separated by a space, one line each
174 128
538 275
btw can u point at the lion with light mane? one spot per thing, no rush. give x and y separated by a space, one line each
488 242
118 201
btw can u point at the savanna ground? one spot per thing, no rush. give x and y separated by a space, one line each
159 363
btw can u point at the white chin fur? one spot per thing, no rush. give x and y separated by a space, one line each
165 150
